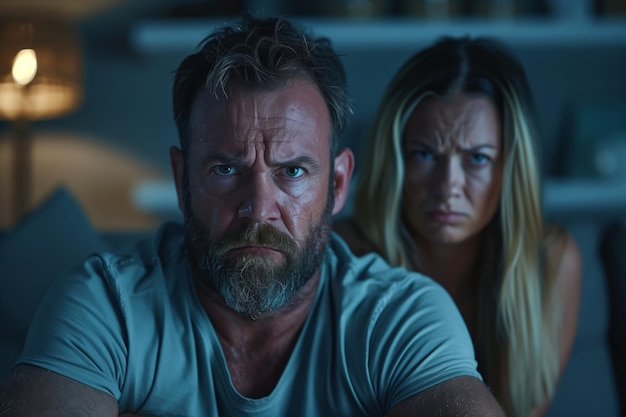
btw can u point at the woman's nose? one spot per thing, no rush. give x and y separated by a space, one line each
452 177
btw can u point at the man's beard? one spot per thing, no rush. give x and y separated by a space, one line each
253 284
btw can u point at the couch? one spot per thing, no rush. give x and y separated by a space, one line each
58 234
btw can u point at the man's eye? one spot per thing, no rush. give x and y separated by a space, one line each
293 172
224 170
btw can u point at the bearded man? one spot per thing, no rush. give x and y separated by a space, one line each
252 307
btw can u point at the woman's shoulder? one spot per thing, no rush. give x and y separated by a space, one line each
349 231
564 272
561 249
563 261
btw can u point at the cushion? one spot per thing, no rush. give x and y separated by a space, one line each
613 256
51 238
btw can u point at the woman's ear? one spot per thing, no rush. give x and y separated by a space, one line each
344 165
178 169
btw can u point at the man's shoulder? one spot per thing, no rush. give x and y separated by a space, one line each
371 275
138 264
164 244
347 229
382 307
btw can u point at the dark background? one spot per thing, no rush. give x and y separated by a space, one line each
576 67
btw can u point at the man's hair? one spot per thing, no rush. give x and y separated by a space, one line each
522 304
261 52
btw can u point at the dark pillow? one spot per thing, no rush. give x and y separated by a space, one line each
48 240
613 256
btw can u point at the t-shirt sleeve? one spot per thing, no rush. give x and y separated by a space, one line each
78 329
417 339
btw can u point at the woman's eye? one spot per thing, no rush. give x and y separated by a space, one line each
294 172
424 155
224 170
479 158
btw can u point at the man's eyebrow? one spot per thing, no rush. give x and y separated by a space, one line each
235 159
300 161
225 158
312 165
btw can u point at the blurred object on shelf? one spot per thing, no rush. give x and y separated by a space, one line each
493 8
68 9
609 157
595 146
197 9
571 9
339 8
610 8
430 9
364 8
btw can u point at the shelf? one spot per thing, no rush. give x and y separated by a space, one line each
560 197
156 197
571 196
181 36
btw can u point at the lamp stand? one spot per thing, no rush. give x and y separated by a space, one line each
22 173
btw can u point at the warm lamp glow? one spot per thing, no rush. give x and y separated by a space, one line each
40 69
24 66
40 78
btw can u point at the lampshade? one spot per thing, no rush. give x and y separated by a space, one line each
40 68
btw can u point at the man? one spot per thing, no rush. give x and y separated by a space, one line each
252 308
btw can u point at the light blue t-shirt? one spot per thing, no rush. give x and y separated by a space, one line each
132 326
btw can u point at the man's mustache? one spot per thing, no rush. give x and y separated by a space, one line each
256 234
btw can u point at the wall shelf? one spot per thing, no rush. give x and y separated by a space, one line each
561 196
182 35
570 62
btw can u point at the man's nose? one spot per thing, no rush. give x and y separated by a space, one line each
259 202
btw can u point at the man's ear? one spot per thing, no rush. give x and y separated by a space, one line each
178 169
344 165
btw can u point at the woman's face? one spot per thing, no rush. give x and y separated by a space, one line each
453 158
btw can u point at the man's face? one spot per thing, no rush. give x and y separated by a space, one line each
257 192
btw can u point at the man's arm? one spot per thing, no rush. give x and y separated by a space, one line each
36 392
460 396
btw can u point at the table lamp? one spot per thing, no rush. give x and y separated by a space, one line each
40 78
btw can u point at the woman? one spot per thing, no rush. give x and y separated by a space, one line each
452 190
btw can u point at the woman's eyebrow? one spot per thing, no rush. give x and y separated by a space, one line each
479 147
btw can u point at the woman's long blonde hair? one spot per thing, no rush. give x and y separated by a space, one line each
522 343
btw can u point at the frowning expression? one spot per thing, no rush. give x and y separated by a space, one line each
453 161
257 192
260 156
